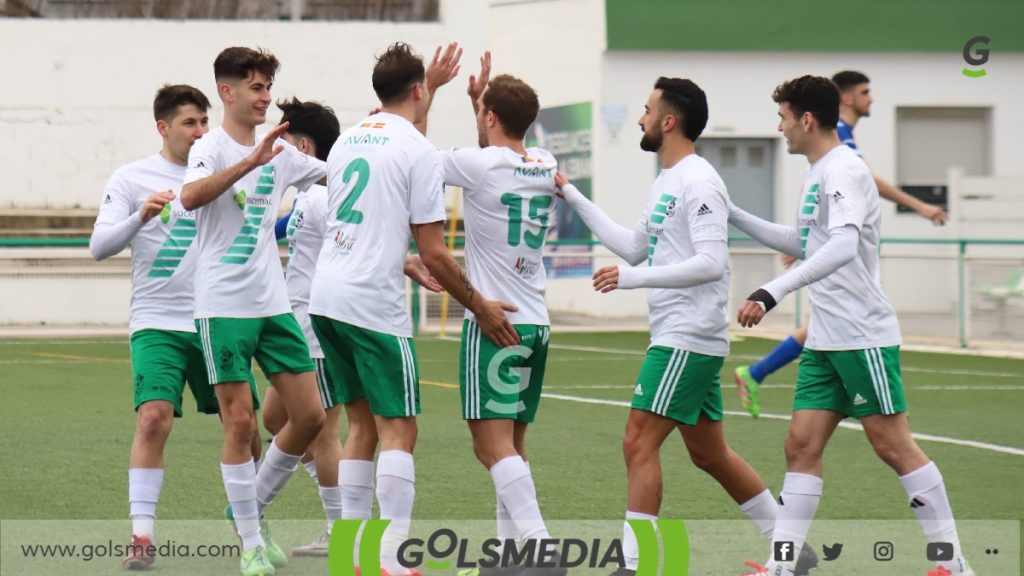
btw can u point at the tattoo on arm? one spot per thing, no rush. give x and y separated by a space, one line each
469 286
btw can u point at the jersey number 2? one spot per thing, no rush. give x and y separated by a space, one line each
347 212
538 210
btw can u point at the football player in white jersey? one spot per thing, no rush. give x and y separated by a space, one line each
509 194
854 103
235 182
385 184
850 365
313 128
140 209
682 235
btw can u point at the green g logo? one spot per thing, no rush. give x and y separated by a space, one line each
165 214
976 57
674 548
240 199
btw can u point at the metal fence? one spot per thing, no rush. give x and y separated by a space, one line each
965 292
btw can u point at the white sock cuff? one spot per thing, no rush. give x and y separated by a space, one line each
507 471
756 501
331 495
806 484
277 458
310 468
921 480
355 473
630 515
397 463
144 484
239 481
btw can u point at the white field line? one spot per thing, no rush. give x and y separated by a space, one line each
748 357
847 425
990 388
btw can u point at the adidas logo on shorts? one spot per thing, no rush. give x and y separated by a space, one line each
858 400
638 390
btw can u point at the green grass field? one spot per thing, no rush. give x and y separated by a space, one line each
66 424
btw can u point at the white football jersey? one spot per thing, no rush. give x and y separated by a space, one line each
509 203
849 311
239 273
688 204
383 175
163 255
305 233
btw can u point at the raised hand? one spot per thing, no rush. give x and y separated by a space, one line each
266 150
478 83
443 67
154 205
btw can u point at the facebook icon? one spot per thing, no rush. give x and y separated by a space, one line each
784 552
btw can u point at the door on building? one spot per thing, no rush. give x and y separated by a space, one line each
931 140
747 166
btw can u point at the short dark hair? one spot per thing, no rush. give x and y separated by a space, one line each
312 120
514 102
171 96
685 98
397 70
238 62
815 94
847 79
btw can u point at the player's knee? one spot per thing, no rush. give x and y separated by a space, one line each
635 447
311 423
801 448
891 451
153 425
274 421
708 460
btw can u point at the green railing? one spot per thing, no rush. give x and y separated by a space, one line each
961 244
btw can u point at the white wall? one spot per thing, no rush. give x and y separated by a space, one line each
739 87
77 100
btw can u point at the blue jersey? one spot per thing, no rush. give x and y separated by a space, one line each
845 132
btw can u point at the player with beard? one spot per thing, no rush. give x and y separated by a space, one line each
682 234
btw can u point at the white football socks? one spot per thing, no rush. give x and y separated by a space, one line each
514 486
277 468
762 511
144 486
927 493
798 502
240 486
396 491
630 548
330 497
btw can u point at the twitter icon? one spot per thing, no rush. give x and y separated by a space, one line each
831 552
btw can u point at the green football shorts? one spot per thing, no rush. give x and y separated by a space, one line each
680 385
502 383
362 363
854 383
163 361
231 344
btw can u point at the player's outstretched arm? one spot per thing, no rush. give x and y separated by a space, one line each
785 239
630 245
838 251
205 190
109 238
442 69
490 314
893 194
707 265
